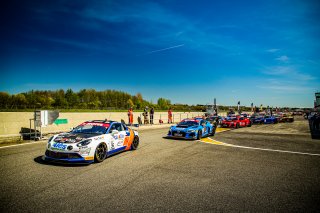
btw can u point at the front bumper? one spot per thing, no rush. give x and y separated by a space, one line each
66 157
182 135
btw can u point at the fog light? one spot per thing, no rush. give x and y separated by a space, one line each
69 147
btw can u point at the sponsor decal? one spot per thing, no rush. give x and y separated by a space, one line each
59 146
94 124
98 138
119 143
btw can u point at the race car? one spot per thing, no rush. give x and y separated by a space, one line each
236 122
285 118
91 141
192 129
215 120
257 119
269 119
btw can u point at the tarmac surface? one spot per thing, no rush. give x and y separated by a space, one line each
264 168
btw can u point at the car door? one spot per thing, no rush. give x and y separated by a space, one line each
204 128
119 135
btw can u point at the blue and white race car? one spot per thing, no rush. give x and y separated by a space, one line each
192 129
91 141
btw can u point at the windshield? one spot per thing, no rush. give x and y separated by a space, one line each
90 129
188 123
231 119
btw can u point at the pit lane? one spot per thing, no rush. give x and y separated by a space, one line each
172 175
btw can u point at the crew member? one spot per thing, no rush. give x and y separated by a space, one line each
151 115
130 116
169 116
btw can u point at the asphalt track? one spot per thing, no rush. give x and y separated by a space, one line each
174 175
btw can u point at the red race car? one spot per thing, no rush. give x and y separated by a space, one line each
236 122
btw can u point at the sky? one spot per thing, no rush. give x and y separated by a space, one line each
261 52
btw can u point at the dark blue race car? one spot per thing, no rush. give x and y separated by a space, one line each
192 129
268 119
257 119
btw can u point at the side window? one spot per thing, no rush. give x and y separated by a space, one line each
202 122
124 127
118 127
113 127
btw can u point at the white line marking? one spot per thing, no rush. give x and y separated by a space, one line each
2 147
262 149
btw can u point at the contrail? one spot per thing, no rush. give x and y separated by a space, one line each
168 48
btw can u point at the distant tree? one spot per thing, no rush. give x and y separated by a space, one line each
130 103
19 101
163 103
4 100
71 98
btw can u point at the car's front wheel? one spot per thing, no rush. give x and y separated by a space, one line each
100 153
199 136
135 143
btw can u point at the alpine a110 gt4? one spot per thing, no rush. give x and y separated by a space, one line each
91 141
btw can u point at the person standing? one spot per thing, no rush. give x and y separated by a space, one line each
169 115
130 116
151 115
145 115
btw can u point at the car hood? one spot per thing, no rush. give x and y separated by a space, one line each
73 137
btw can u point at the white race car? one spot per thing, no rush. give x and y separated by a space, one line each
91 141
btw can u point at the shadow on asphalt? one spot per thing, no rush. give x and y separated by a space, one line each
39 160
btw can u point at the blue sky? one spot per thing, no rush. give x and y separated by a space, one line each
261 52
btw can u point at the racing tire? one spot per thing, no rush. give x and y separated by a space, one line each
213 132
199 136
135 143
100 153
250 124
237 126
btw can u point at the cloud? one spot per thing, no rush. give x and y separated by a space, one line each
273 50
283 58
286 86
289 72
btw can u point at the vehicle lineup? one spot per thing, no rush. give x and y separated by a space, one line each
91 141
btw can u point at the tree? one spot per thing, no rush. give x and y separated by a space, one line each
4 100
163 103
130 103
71 98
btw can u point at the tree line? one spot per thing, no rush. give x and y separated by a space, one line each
84 99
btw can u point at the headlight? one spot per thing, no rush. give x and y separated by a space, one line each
84 143
191 130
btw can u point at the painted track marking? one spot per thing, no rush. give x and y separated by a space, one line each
219 143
